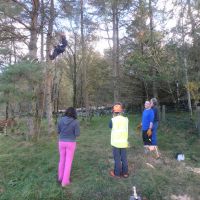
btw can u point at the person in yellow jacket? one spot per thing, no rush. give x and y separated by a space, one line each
119 141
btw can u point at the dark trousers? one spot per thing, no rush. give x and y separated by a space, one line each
146 138
121 163
154 133
58 50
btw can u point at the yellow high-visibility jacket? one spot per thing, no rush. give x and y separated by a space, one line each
119 132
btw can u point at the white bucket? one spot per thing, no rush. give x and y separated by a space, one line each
180 157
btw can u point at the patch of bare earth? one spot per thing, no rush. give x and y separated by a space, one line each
181 197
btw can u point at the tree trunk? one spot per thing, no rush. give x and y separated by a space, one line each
34 30
115 54
187 83
154 85
49 109
74 70
74 81
49 67
31 118
84 66
185 63
7 108
75 73
42 30
55 91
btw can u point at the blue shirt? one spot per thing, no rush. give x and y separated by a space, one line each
147 118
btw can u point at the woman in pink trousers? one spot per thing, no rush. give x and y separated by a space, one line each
68 130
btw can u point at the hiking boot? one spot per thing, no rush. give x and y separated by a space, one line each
112 174
125 175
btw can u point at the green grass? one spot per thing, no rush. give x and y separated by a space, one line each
29 170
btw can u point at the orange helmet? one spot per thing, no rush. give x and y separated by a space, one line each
117 108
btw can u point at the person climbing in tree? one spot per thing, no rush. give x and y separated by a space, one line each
60 48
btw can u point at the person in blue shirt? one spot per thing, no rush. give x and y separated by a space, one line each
147 123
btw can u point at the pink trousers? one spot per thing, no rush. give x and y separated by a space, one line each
66 152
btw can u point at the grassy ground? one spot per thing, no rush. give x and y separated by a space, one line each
28 171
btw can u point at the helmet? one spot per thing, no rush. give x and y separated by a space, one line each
117 108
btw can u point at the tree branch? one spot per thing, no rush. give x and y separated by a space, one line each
19 21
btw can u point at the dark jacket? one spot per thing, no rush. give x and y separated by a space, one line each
68 129
156 114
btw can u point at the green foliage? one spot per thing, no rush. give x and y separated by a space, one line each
25 70
138 66
4 51
9 8
152 54
20 82
99 80
194 88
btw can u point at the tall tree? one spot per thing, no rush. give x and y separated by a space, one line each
115 53
49 68
185 55
152 47
111 12
83 63
16 81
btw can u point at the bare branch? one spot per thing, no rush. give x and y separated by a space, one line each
19 21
